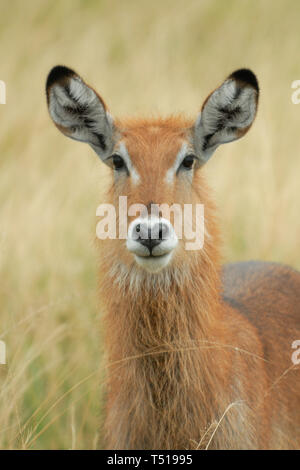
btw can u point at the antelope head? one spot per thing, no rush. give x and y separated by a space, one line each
156 163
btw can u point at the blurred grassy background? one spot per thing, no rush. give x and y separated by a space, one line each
142 57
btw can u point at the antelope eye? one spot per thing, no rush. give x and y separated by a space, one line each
188 162
118 162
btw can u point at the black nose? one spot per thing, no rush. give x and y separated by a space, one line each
151 236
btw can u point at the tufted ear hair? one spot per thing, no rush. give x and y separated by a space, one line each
78 111
227 113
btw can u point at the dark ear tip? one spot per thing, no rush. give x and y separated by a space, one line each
58 73
246 76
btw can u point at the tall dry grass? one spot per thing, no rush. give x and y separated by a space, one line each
143 57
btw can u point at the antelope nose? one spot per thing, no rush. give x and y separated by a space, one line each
151 235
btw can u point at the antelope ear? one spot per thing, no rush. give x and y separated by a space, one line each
227 113
78 111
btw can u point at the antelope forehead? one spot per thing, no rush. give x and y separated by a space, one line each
170 172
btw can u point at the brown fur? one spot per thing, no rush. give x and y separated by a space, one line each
203 361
